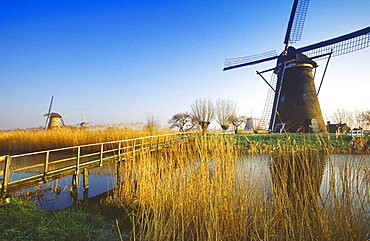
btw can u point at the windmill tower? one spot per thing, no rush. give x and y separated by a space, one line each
295 105
53 119
299 108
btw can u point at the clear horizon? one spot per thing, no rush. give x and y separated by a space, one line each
120 62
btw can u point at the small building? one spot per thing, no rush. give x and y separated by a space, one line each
337 128
357 132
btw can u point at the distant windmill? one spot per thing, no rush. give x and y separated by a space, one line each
295 105
82 123
53 119
249 125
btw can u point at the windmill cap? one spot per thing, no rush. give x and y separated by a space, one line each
54 114
299 57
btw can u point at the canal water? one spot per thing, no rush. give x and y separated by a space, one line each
343 172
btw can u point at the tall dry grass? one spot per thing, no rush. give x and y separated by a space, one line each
201 191
29 140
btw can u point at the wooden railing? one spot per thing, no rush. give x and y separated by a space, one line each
21 171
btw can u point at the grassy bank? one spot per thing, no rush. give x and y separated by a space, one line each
20 221
269 143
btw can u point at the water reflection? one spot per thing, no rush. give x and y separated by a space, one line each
346 179
294 180
299 181
59 194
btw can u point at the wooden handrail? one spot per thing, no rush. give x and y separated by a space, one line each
80 158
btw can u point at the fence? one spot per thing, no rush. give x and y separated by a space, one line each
21 171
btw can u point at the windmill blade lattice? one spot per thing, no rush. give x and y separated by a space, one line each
233 63
49 112
266 114
296 21
341 45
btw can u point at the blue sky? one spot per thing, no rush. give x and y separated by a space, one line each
122 61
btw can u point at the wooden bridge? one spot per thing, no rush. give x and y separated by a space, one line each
18 172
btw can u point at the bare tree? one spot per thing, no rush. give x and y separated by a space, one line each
364 116
152 124
203 111
359 119
224 110
237 121
341 116
183 121
353 119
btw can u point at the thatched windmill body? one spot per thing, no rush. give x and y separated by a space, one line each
294 104
53 119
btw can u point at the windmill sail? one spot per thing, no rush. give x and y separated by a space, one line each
344 44
49 112
266 114
296 21
234 63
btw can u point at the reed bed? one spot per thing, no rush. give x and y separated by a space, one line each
29 140
203 190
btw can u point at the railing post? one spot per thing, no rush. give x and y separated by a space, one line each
78 160
138 145
133 147
101 154
126 149
86 178
119 151
74 188
75 176
7 162
118 172
142 145
46 166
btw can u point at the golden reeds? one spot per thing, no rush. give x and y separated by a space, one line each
29 140
206 191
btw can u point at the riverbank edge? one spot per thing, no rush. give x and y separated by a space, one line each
22 221
330 143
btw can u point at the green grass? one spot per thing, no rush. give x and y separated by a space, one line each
258 143
21 221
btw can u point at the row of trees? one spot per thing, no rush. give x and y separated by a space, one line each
354 119
204 111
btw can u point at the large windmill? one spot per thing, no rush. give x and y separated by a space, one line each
295 104
53 119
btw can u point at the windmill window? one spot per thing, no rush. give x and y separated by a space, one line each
305 97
